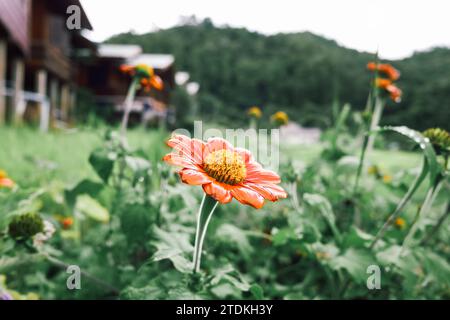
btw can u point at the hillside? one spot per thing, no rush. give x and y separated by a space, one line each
301 73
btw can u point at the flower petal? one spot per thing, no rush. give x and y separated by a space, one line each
246 155
270 192
257 174
218 192
177 160
185 146
215 144
248 196
6 182
194 176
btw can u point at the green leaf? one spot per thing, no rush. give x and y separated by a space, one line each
103 163
150 292
137 164
91 208
436 267
86 186
355 262
181 263
404 261
165 253
343 115
282 236
257 292
323 206
357 238
230 275
172 246
423 143
232 234
135 222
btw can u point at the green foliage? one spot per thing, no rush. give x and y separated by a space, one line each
102 161
134 225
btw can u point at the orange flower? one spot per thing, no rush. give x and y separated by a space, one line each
382 83
154 82
384 68
67 223
372 66
157 83
223 171
146 74
394 92
126 68
389 71
5 182
400 223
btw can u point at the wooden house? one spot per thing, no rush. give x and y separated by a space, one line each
14 46
41 59
110 86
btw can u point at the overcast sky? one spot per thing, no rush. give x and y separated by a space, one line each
396 27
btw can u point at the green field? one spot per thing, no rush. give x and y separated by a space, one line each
29 155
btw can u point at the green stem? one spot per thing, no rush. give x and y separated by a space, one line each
376 117
361 163
294 198
369 138
426 206
128 104
438 225
402 203
205 212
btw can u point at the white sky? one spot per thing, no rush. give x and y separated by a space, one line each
396 27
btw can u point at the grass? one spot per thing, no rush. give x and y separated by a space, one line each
390 160
30 156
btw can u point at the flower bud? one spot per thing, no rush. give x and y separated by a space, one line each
25 226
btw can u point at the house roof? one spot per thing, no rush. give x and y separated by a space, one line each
156 61
14 17
124 51
132 54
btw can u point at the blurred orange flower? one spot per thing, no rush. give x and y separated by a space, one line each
386 69
394 92
387 178
67 223
124 68
153 82
146 75
400 223
382 83
372 66
389 71
5 181
223 171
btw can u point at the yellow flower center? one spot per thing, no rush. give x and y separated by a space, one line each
225 166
